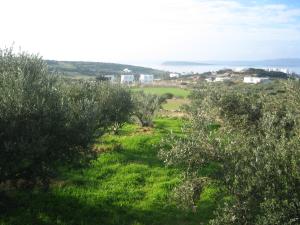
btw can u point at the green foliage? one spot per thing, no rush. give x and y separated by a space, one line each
117 106
32 117
264 73
101 78
145 106
167 95
45 122
255 145
73 68
122 186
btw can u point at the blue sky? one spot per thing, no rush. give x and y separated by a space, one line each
150 31
287 2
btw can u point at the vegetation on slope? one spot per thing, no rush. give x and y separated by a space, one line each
77 68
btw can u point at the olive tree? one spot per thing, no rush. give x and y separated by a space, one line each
117 105
33 118
145 106
46 122
253 138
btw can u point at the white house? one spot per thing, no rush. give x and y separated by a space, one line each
174 75
255 80
127 79
126 70
221 79
111 78
146 78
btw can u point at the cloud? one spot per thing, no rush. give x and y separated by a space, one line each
118 30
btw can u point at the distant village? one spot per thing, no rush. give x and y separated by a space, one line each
248 76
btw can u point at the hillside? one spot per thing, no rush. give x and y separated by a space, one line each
78 68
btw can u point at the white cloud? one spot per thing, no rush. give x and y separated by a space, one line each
118 30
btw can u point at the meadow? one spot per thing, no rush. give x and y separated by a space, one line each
126 184
177 92
179 99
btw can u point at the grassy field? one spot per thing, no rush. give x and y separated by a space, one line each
180 95
127 184
177 92
174 104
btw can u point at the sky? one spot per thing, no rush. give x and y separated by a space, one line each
137 31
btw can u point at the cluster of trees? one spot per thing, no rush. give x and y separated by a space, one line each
252 139
47 121
272 74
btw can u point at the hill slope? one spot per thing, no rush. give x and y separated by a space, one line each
78 68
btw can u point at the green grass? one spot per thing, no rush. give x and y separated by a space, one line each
175 104
126 185
177 92
180 95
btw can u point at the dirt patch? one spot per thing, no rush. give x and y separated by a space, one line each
145 130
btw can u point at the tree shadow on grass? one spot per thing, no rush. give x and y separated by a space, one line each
51 209
144 152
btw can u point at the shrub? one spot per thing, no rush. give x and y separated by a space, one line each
45 122
117 105
33 118
145 106
256 147
166 96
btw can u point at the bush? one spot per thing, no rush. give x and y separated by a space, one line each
145 106
45 122
116 105
166 96
256 147
33 117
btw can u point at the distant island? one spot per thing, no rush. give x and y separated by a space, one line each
81 69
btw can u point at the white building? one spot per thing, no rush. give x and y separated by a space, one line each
127 79
221 79
111 78
174 75
126 70
255 80
146 78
